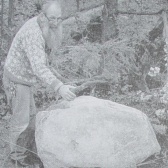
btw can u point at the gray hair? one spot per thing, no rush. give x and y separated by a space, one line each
49 3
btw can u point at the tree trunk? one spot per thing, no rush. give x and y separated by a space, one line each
109 27
165 31
2 10
77 3
11 11
10 21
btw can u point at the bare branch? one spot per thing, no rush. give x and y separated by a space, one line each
89 84
139 13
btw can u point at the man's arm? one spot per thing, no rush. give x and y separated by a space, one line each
35 51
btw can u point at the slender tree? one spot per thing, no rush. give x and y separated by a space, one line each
10 21
165 32
2 11
77 3
11 11
109 26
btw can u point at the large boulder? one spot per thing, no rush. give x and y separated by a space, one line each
92 132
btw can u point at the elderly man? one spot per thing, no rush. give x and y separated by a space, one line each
27 61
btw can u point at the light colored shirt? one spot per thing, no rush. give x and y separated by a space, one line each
26 60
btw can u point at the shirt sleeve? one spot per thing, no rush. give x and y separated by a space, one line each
35 51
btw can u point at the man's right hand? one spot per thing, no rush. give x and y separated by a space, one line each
65 92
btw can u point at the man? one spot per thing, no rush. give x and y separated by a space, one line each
27 61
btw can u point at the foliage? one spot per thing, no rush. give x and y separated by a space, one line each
123 61
83 59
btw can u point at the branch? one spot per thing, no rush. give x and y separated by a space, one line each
82 81
117 11
124 12
140 13
89 84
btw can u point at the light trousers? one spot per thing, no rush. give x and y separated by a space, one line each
20 98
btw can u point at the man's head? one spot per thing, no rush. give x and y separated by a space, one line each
52 11
50 23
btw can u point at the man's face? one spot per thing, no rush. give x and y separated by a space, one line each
53 14
52 27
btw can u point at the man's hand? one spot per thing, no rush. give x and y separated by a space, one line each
65 92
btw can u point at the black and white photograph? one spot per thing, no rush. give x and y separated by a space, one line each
83 84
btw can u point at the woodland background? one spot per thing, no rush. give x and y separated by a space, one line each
117 47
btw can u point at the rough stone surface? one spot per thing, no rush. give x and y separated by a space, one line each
91 132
